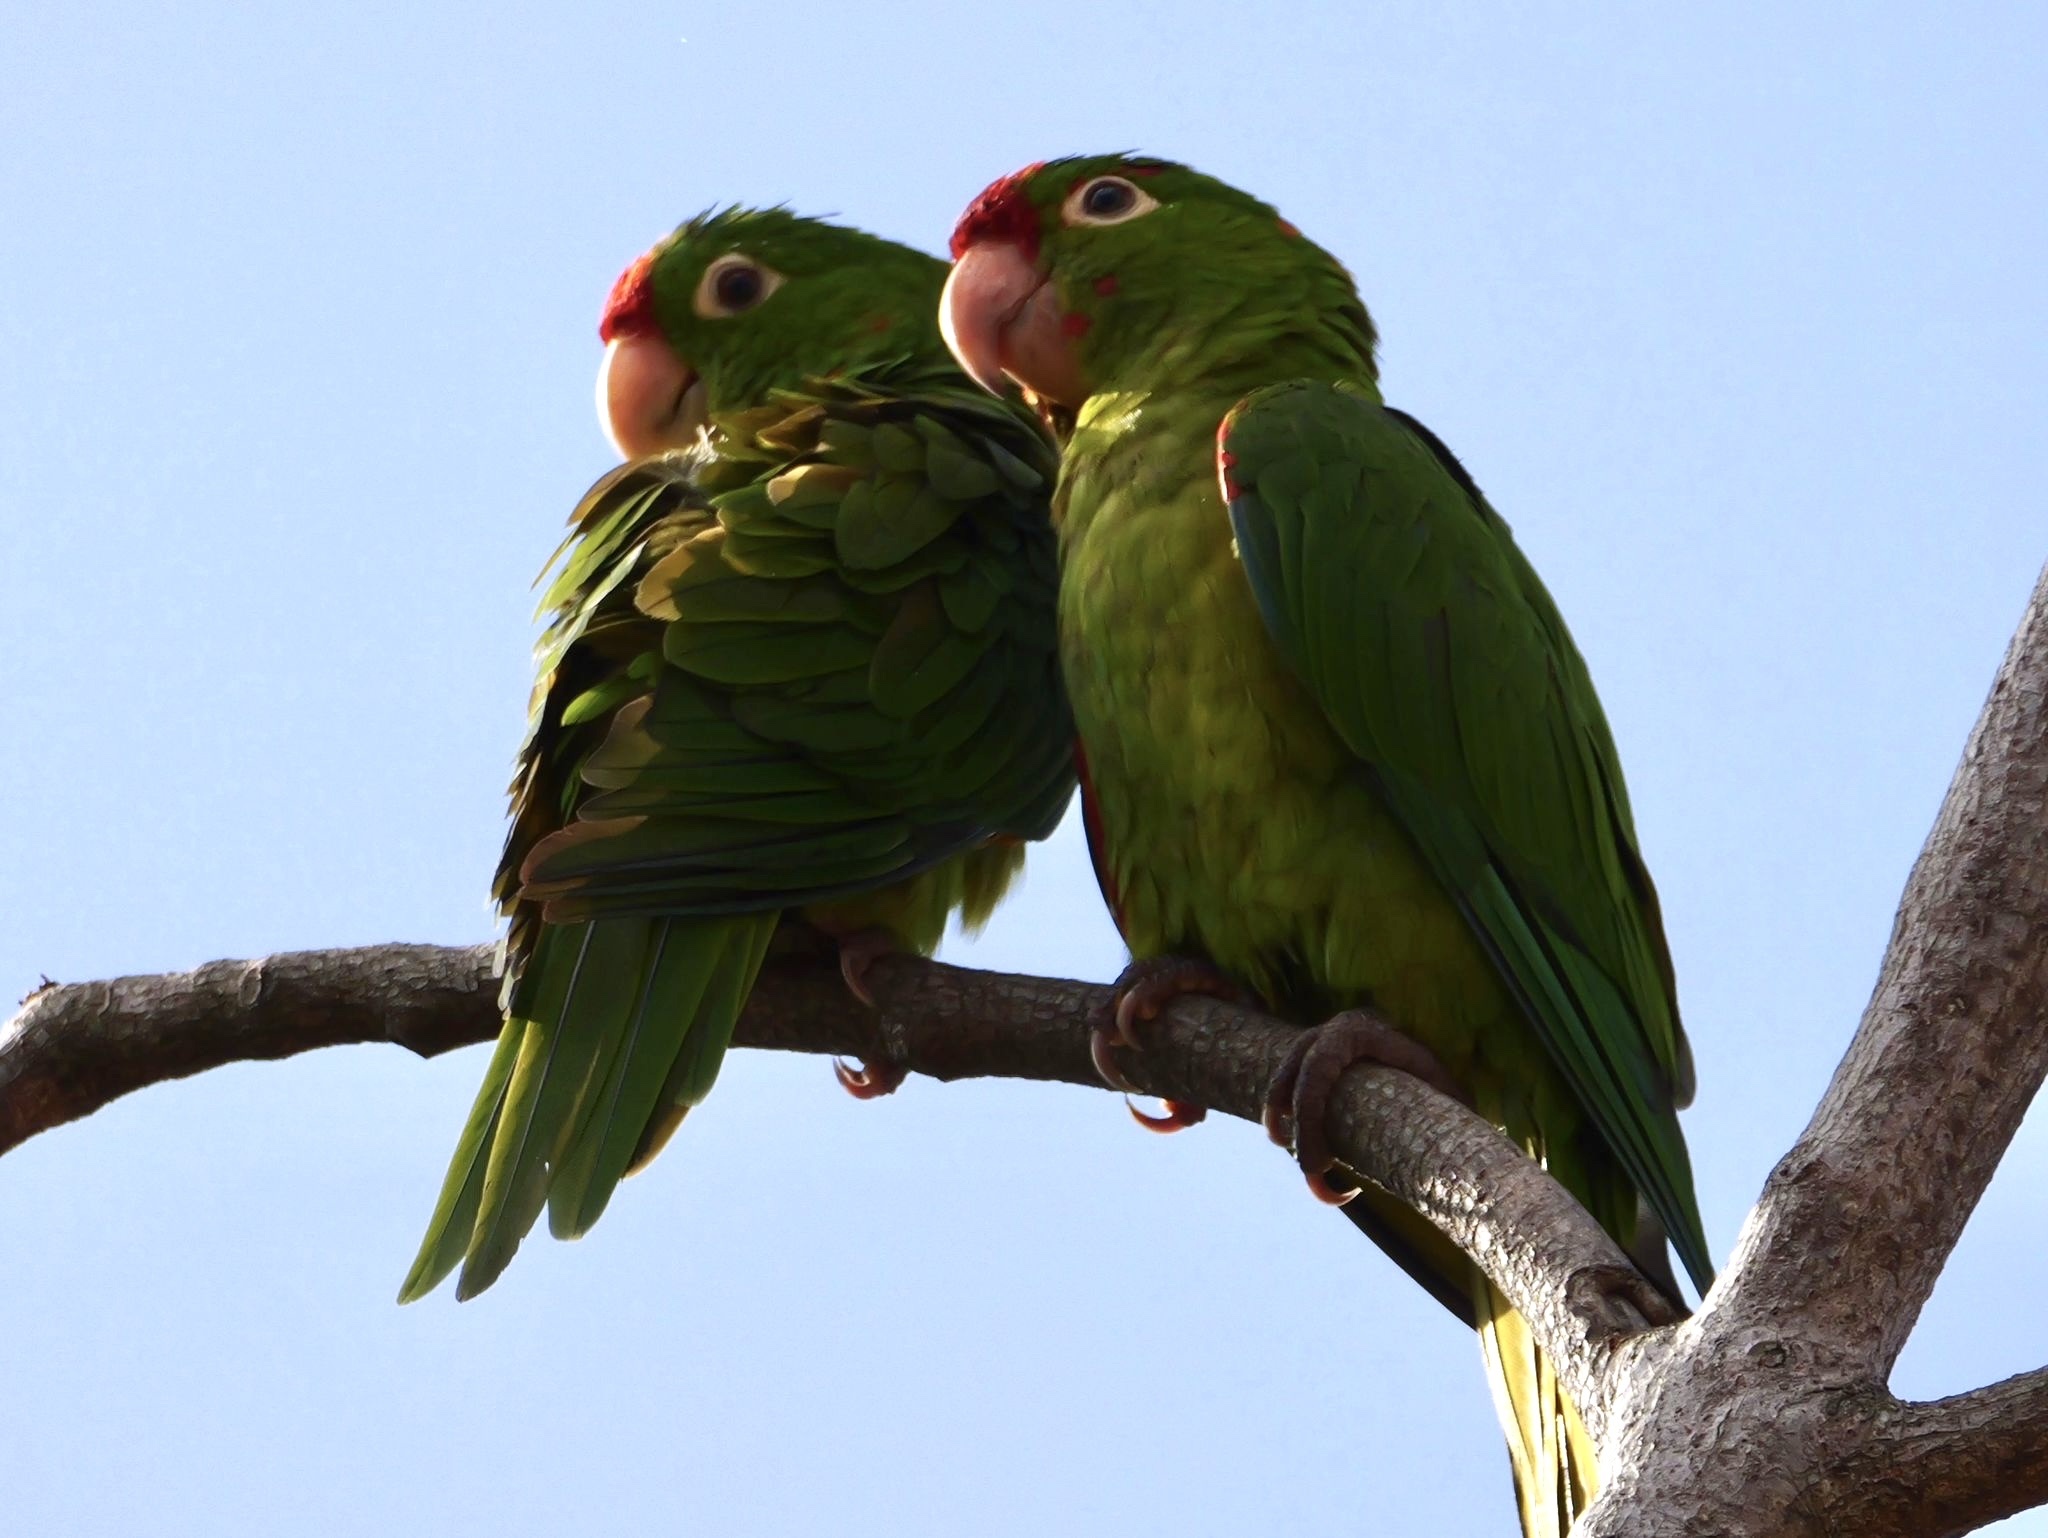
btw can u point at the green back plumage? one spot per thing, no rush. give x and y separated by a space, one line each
1443 665
1291 622
808 664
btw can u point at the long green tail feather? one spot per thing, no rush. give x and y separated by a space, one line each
696 1066
448 1230
612 1022
578 982
670 989
684 1010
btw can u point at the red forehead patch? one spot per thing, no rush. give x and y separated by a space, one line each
630 309
1004 211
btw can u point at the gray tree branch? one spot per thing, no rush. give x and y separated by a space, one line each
1951 1465
1949 1055
72 1049
1764 1416
1767 1412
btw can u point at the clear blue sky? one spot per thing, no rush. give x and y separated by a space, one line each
1736 311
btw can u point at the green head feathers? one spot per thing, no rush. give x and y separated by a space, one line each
1158 270
753 300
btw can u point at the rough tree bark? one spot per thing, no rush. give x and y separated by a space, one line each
1765 1415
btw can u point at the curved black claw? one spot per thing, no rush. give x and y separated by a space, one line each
869 1081
1298 1099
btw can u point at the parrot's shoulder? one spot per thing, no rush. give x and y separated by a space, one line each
877 480
867 419
1338 422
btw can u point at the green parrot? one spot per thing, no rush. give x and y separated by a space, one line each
1338 749
801 660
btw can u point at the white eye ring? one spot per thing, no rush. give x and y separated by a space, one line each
719 291
1075 210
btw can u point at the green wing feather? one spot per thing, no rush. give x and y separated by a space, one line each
1399 597
773 677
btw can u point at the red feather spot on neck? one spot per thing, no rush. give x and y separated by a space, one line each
1098 841
880 324
1288 230
630 309
1106 284
1074 323
1003 212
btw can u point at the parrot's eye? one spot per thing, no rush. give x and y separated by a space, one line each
1107 200
732 284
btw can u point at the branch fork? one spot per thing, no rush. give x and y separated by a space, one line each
1765 1415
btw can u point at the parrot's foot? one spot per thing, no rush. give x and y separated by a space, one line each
860 951
870 1081
1299 1096
1143 989
857 952
1146 987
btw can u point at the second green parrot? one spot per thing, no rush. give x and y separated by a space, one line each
800 661
1339 748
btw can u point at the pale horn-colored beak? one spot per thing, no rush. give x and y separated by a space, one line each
648 399
1002 318
986 293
